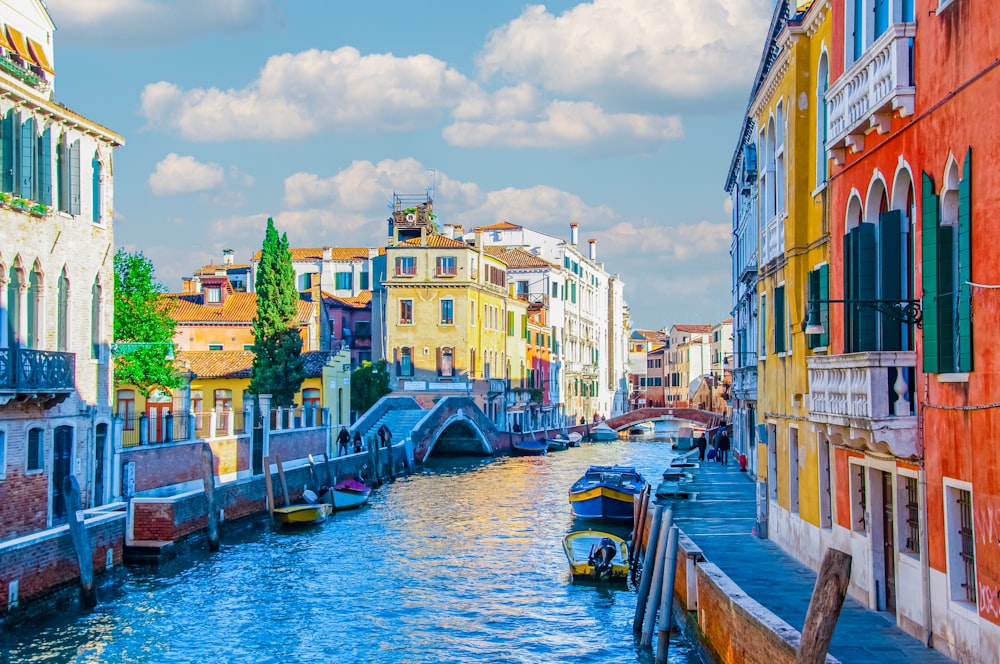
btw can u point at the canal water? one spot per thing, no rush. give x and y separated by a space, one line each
462 562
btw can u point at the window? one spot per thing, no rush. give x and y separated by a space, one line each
446 364
215 346
33 305
911 532
126 408
14 331
343 281
859 499
362 328
3 454
310 398
213 295
447 312
406 266
793 470
819 289
947 256
223 400
247 346
447 266
62 323
68 161
96 192
472 313
36 451
961 542
763 326
95 320
406 312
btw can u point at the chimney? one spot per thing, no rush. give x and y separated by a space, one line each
449 231
328 253
227 256
574 232
459 231
593 249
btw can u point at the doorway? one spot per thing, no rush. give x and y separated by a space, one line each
158 406
100 444
62 454
888 543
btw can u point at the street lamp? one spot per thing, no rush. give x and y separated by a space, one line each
119 348
904 311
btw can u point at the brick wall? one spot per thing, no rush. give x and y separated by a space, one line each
298 444
48 562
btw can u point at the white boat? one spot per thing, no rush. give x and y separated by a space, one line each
603 433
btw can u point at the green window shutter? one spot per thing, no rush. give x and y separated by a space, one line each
890 250
7 143
510 323
61 180
763 331
524 327
26 162
573 296
929 222
964 266
946 296
779 319
823 281
74 178
96 212
862 264
364 281
43 175
812 293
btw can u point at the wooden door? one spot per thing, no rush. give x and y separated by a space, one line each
888 543
62 454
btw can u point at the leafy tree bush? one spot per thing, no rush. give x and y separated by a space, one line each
369 383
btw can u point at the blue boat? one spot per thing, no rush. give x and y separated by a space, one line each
606 492
531 447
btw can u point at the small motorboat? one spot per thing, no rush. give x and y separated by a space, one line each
302 514
640 429
558 443
603 433
606 492
596 556
574 439
347 494
530 447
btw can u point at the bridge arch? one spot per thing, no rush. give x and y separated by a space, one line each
458 434
705 418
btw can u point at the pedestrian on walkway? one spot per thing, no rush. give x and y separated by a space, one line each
702 444
343 438
357 442
723 445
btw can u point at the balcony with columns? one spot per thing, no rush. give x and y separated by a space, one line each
877 85
866 400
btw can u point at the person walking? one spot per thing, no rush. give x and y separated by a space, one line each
357 442
702 444
723 444
342 439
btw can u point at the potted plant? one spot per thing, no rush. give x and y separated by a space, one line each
39 209
20 203
5 198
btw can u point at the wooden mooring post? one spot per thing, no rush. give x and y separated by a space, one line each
637 530
667 598
211 511
281 478
81 541
270 491
647 567
653 602
824 607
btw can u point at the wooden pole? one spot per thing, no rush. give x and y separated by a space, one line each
667 598
270 493
330 477
281 478
640 525
824 607
81 541
647 570
313 474
211 511
653 601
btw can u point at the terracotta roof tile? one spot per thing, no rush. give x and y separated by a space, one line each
360 301
693 328
435 241
238 308
316 253
499 226
239 363
516 257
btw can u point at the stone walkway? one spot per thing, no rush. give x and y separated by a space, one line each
721 522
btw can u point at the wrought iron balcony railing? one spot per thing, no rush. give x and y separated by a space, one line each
28 370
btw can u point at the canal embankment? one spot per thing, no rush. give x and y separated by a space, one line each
743 598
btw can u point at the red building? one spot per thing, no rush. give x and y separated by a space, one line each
914 196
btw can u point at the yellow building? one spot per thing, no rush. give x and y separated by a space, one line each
214 399
450 324
788 111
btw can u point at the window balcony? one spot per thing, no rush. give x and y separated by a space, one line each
745 383
871 90
772 243
868 398
38 376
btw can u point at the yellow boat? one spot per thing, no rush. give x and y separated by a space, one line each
303 514
597 556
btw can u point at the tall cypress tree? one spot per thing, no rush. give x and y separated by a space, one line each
278 368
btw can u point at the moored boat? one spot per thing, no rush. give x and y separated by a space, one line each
602 432
557 443
530 447
347 494
606 492
302 514
574 438
596 556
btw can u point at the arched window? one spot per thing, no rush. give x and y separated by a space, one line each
15 282
98 189
35 458
62 313
33 304
779 161
822 84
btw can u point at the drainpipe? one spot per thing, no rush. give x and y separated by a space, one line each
925 566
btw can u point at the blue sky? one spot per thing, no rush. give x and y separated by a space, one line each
621 115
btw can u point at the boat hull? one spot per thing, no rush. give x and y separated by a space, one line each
535 447
557 444
302 514
579 546
347 495
602 503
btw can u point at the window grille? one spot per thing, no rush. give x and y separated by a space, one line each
967 554
912 516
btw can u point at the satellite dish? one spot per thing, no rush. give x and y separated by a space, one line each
411 217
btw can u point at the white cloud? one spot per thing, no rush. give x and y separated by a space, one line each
614 51
695 241
581 125
300 94
178 174
145 23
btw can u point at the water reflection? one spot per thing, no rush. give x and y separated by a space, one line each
460 563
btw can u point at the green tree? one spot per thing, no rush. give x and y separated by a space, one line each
369 383
142 316
278 368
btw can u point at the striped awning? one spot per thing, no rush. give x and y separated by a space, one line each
38 55
17 44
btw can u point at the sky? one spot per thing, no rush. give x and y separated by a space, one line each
620 115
